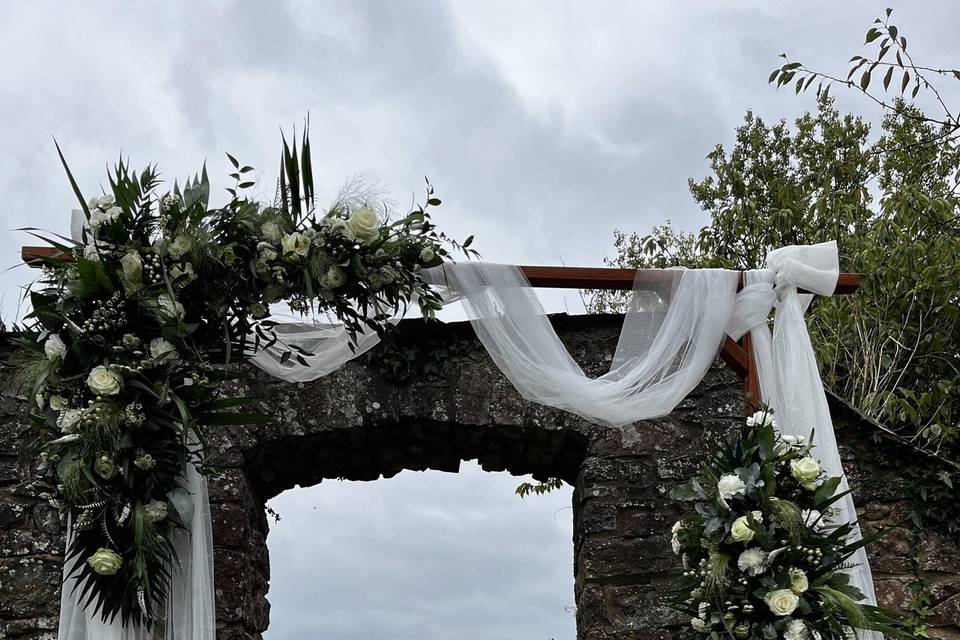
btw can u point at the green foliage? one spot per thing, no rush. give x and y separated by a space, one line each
129 343
762 554
524 489
889 202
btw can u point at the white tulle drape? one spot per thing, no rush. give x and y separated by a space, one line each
671 336
787 369
190 611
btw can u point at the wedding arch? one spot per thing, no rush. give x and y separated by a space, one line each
123 321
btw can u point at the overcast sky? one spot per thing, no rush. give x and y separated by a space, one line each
544 127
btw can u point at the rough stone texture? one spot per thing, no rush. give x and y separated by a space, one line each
354 424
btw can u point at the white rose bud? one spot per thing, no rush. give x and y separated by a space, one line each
741 531
105 562
54 347
104 382
131 269
805 470
270 231
426 255
363 224
798 580
782 602
295 244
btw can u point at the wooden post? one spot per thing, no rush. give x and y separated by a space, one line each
738 356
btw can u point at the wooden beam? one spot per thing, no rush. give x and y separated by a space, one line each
545 277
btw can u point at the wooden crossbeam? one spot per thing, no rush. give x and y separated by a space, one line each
737 355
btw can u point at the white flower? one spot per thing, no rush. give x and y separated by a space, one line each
270 231
729 486
740 530
782 602
427 254
105 202
90 253
155 510
68 419
675 540
698 624
798 580
796 630
104 382
805 470
97 219
333 278
56 403
179 247
131 269
339 226
364 224
169 308
793 441
295 243
112 213
105 562
761 419
267 251
162 349
54 347
753 561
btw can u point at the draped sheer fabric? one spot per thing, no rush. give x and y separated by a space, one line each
787 369
674 326
671 335
190 606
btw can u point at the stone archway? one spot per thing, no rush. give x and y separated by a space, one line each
357 425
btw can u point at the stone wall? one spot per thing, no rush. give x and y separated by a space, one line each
356 424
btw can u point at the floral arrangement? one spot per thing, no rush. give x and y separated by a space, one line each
135 328
762 554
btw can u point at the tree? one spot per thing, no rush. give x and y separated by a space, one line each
890 202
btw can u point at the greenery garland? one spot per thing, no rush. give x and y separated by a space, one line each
763 556
134 329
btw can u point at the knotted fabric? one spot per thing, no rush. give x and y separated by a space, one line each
787 369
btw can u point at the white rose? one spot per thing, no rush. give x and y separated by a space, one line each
179 247
740 530
798 580
761 419
333 278
105 202
54 347
112 213
295 243
169 308
805 470
730 485
155 510
270 231
98 218
796 630
698 624
427 254
753 561
104 382
56 403
131 268
782 602
364 224
162 349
